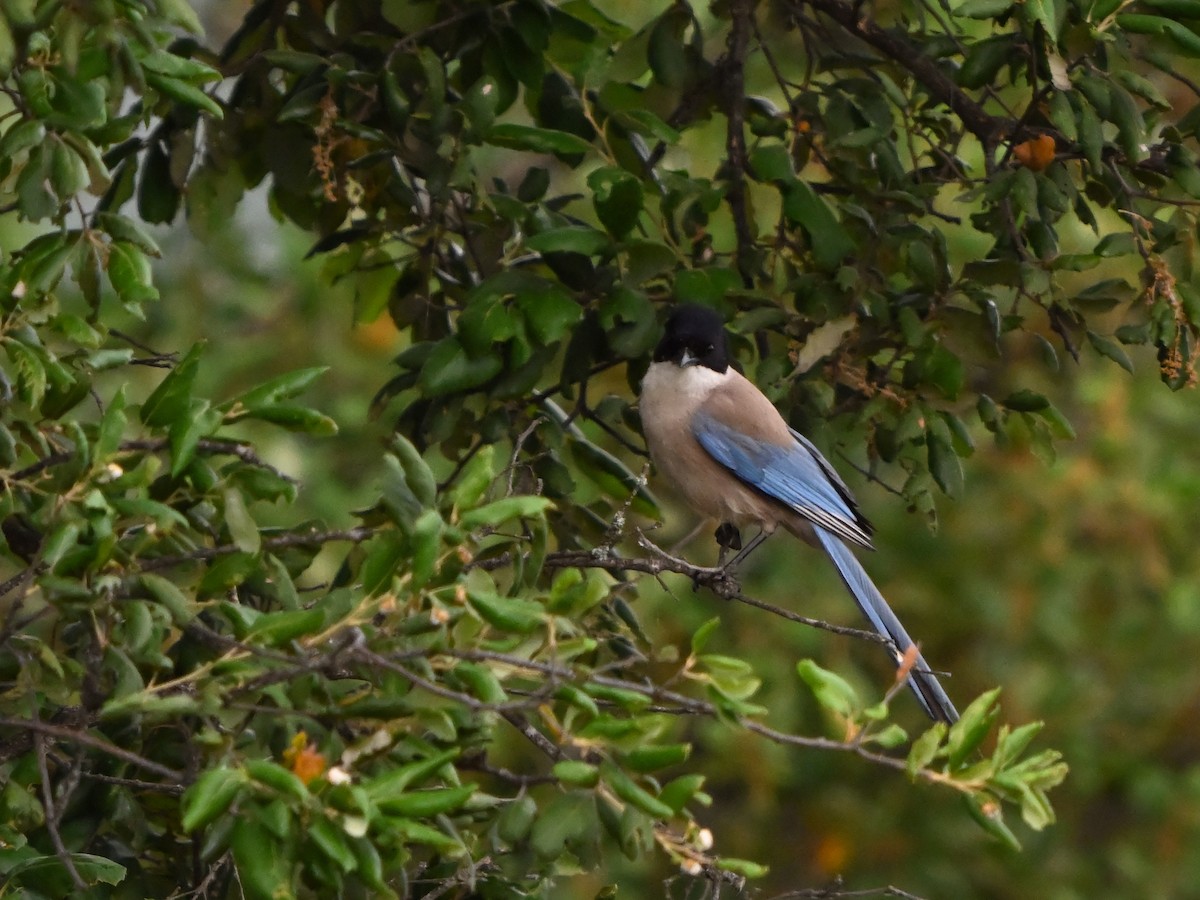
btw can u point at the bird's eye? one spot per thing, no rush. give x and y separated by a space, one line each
708 348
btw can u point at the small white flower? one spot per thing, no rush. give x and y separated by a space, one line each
704 840
691 867
338 775
355 826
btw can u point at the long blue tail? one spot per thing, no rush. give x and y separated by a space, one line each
923 683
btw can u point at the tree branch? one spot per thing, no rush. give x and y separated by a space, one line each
734 90
986 127
305 539
29 727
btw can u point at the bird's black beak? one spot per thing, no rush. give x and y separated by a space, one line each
686 359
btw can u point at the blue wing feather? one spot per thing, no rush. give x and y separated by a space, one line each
796 475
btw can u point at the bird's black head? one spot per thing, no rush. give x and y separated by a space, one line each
695 336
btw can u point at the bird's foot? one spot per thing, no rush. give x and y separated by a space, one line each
728 538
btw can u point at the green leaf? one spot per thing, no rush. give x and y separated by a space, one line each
515 822
1025 400
263 871
550 314
416 472
944 464
984 9
50 877
652 757
419 833
270 773
242 527
332 842
395 783
1060 426
60 540
925 749
969 731
182 608
984 61
703 633
829 242
129 273
481 681
744 867
832 691
1043 13
1011 744
631 792
617 197
666 50
282 387
576 773
149 705
425 538
537 140
293 418
475 478
570 239
731 676
171 399
503 510
678 792
986 810
276 629
644 122
425 804
508 613
1184 9
449 369
1110 349
158 196
1184 38
562 822
945 371
22 136
174 66
576 697
890 737
772 162
228 571
184 92
188 430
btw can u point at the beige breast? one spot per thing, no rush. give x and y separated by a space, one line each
670 397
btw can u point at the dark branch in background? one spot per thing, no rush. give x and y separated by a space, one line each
154 360
734 90
26 729
244 452
834 891
717 580
681 703
52 815
303 539
987 128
